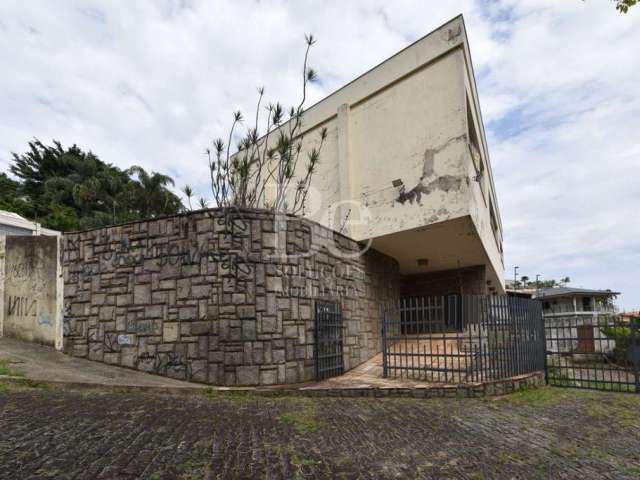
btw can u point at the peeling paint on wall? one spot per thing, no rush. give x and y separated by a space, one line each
445 183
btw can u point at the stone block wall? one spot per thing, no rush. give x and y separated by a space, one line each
226 298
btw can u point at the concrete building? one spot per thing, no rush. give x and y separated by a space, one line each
406 167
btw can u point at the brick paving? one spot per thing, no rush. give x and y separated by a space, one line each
102 434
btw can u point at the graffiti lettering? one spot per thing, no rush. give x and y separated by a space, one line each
18 270
22 307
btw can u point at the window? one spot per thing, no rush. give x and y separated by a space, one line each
474 143
474 150
492 214
586 304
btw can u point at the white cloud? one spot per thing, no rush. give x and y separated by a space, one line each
153 82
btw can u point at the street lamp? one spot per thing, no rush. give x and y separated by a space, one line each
515 278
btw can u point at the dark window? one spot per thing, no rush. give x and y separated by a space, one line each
473 140
586 304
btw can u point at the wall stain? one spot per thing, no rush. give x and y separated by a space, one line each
445 183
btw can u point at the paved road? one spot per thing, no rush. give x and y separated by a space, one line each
548 433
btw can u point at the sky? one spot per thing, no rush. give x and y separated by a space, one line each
154 82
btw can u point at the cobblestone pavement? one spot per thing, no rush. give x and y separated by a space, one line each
544 433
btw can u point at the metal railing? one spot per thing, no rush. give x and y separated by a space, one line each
462 339
597 352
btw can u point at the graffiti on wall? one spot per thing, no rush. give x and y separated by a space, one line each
124 254
161 363
18 306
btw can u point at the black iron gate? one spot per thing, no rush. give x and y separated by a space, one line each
599 352
328 340
462 338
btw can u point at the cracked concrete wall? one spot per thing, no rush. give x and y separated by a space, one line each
400 155
415 132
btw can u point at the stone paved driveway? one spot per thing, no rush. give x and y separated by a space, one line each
546 433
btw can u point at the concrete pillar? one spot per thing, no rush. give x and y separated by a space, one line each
2 276
59 308
344 171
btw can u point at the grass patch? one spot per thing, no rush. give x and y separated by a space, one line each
233 396
302 466
509 458
537 396
5 369
303 421
20 385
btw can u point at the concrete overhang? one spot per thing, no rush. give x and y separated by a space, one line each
445 245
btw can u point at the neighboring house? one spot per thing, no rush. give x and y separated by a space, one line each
575 318
563 301
13 224
406 166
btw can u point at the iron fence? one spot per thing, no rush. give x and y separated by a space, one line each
462 339
595 351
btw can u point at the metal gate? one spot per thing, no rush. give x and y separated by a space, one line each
599 352
462 338
328 340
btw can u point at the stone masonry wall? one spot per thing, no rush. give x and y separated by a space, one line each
219 297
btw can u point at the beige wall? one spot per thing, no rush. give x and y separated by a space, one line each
32 285
407 120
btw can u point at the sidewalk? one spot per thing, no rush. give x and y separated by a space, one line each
44 364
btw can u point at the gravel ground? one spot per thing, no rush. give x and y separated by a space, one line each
105 434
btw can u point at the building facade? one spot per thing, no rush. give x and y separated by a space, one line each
578 302
406 168
403 204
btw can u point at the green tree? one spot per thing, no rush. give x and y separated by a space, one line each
11 196
69 189
150 193
624 5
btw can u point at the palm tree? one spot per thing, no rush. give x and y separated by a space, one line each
524 279
151 194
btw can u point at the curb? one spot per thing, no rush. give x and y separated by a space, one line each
478 390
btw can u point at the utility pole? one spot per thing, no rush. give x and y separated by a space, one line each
537 285
515 278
